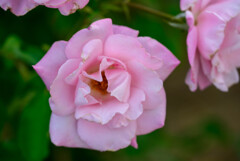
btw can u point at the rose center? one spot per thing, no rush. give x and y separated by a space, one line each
100 86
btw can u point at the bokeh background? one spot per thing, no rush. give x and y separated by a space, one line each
200 126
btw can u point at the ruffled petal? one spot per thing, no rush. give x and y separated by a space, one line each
101 113
119 82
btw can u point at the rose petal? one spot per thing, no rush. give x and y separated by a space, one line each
146 80
135 104
125 31
47 68
186 4
134 143
157 50
98 30
101 113
119 82
70 6
63 132
126 48
153 119
82 95
211 38
103 138
62 93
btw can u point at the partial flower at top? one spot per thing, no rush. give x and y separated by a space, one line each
213 42
66 7
106 87
18 7
21 7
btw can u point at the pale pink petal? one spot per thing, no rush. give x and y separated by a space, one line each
146 80
188 80
192 45
101 113
118 121
91 51
204 73
134 143
186 4
222 78
63 132
125 31
61 92
153 119
135 104
47 68
119 82
192 75
98 75
98 30
211 38
82 95
126 48
69 6
230 48
105 138
203 80
42 1
72 78
157 50
53 3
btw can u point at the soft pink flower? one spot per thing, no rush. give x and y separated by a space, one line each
106 87
18 7
66 7
213 42
21 7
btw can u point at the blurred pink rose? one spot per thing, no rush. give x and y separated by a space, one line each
106 87
18 7
66 7
21 7
213 42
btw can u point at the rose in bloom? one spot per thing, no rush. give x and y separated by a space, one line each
213 42
21 7
106 86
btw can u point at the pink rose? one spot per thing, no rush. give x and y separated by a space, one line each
18 7
106 87
21 7
213 42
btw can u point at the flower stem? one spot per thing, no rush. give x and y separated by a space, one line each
164 16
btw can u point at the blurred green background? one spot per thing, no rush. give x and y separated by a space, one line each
200 126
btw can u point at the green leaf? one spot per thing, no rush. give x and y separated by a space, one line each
13 48
33 129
